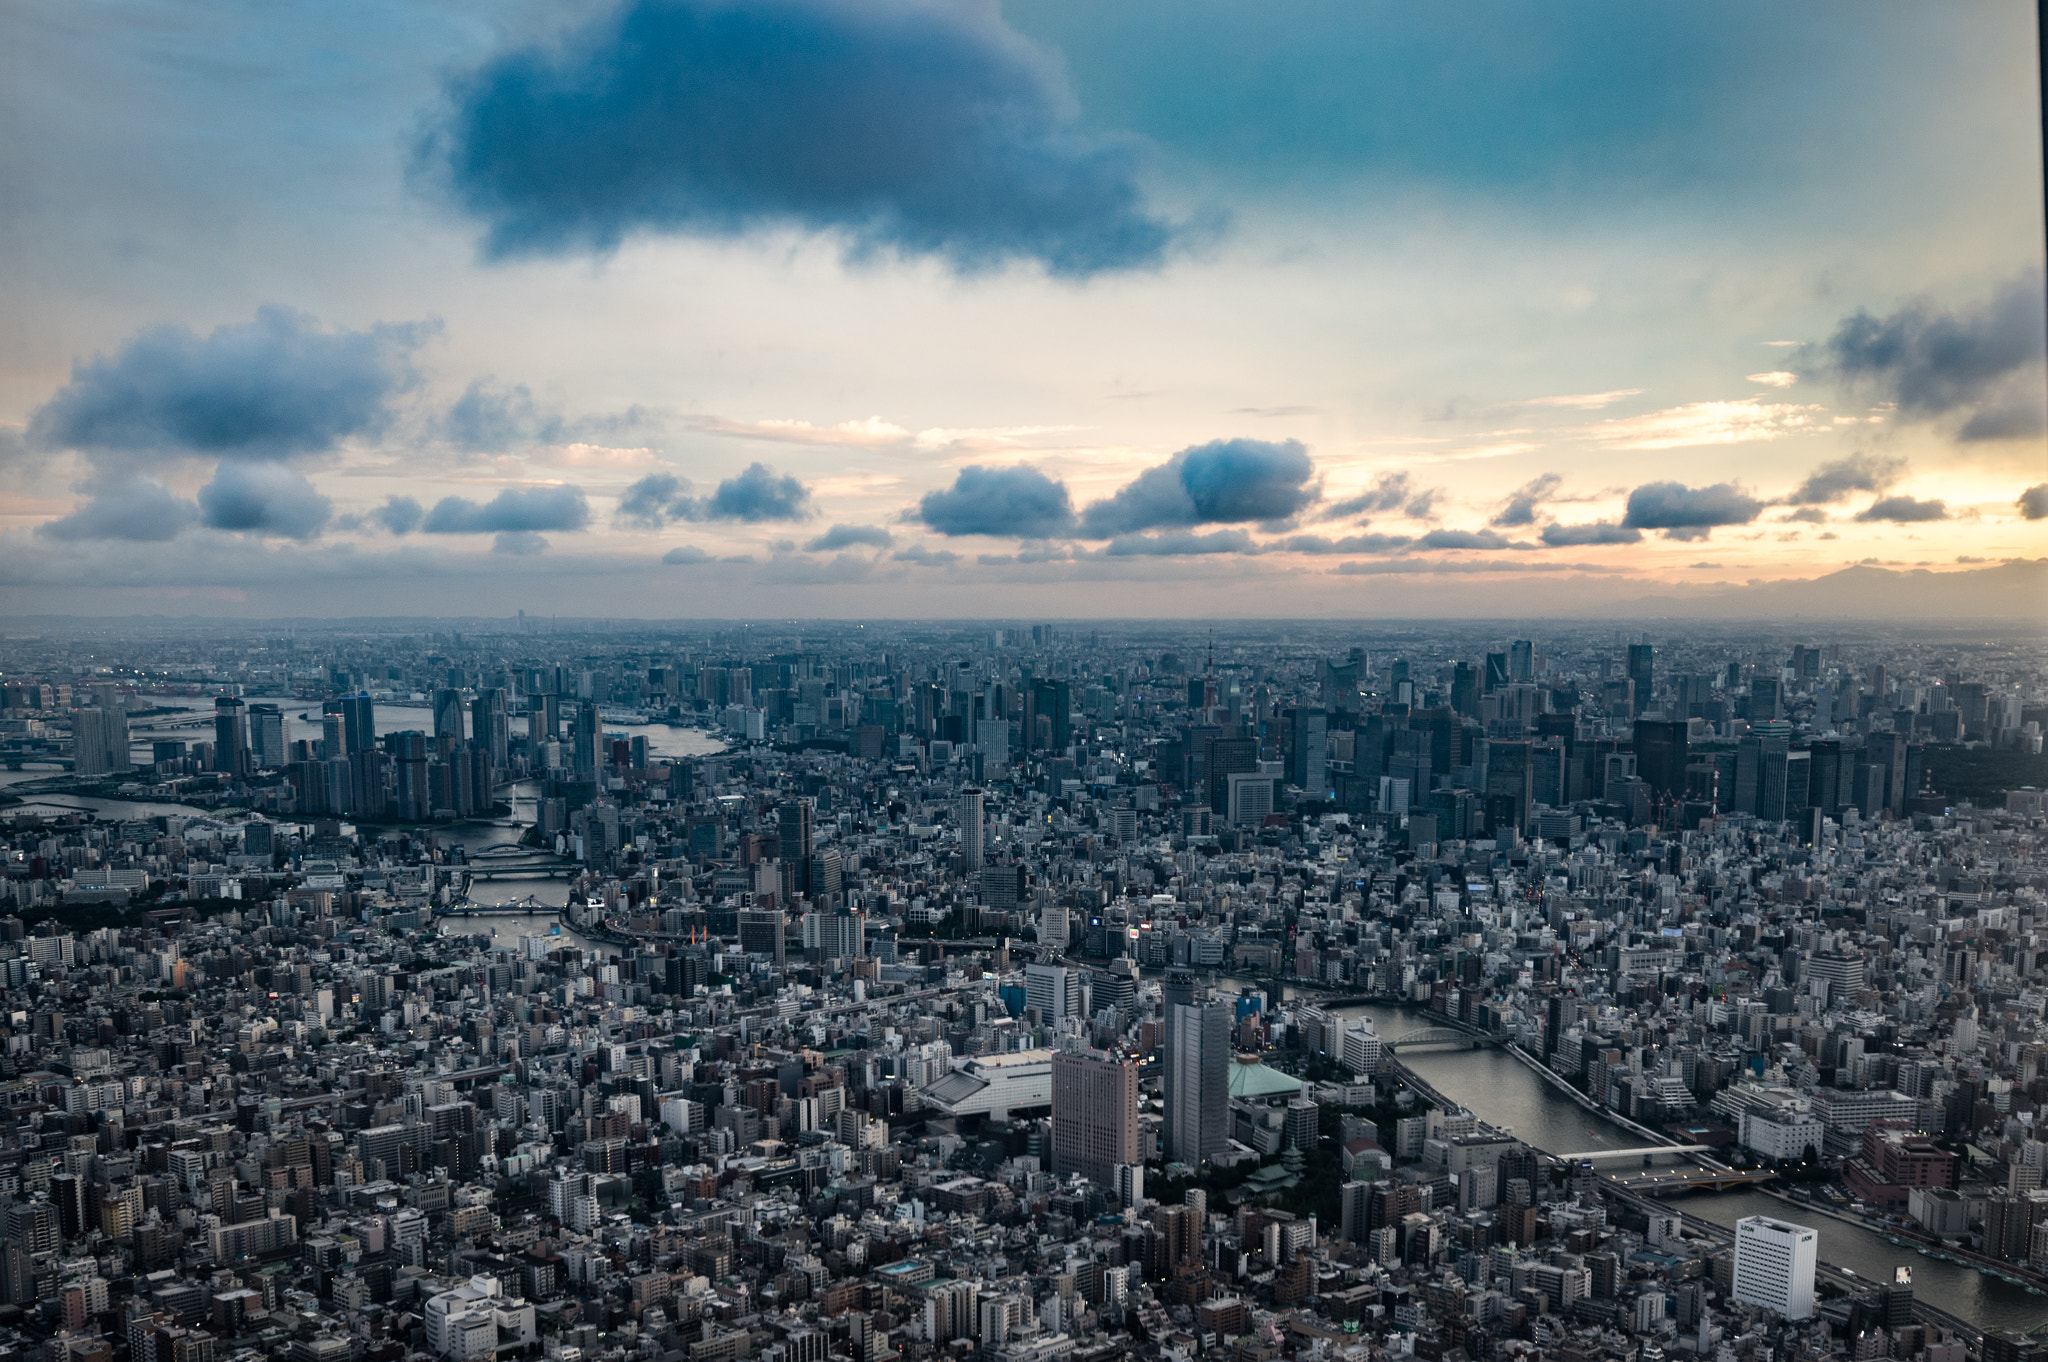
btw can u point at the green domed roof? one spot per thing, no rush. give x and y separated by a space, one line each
1253 1081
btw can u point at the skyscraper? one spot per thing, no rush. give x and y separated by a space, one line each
1197 1073
1774 1265
1094 1115
269 736
1661 755
490 726
448 715
99 741
231 736
1642 671
795 824
1054 990
969 812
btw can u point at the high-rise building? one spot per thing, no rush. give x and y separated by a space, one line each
1662 754
359 723
1094 1115
448 715
992 740
1198 1074
969 813
99 741
1305 745
796 828
1521 660
269 736
231 736
1774 1265
760 932
585 744
1642 670
1054 990
490 726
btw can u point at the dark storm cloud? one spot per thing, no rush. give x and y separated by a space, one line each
1598 532
273 388
1857 473
141 510
1688 512
264 498
1018 500
1982 361
1180 544
757 495
1521 506
847 536
1220 483
903 125
1903 510
514 510
2033 502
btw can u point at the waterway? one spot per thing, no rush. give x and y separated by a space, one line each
1502 1091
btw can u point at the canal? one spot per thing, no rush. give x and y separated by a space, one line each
1500 1090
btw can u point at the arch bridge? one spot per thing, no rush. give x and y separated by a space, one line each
1437 1035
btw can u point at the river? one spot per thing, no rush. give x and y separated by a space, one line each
1500 1090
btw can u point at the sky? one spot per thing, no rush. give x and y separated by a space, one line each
897 308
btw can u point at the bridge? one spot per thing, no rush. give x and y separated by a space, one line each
1438 1035
1666 1182
1645 1152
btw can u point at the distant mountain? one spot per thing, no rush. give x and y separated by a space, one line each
2015 590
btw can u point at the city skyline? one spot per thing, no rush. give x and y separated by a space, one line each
1401 316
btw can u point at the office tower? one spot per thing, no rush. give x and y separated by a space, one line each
99 741
1340 684
231 736
1510 783
1196 1073
1522 660
490 726
1094 1115
1760 777
1895 1301
584 748
1054 990
969 813
337 786
269 736
1465 690
1227 757
1774 1265
837 935
1496 673
1051 701
795 824
359 714
992 740
760 932
1642 671
409 754
1305 747
333 737
1053 930
1662 754
448 715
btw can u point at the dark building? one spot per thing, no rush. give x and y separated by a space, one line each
1642 671
1662 755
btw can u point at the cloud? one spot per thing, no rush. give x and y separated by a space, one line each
924 557
264 498
1775 378
1018 500
1705 423
1468 539
138 509
1597 532
1857 473
1389 492
1903 510
1688 513
490 417
1357 543
685 555
278 387
904 126
1402 567
1811 515
1180 544
656 500
758 495
1520 508
1583 401
400 515
512 511
2033 502
846 536
1219 483
1983 361
519 543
